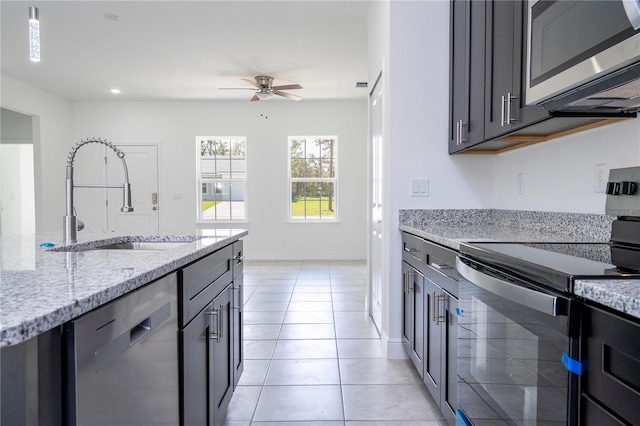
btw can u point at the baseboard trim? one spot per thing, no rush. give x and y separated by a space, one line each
315 255
393 348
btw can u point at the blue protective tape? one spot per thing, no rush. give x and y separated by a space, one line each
47 245
459 312
571 364
461 418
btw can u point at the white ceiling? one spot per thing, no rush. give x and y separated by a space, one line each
180 50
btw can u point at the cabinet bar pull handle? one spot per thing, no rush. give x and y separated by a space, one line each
462 126
220 323
434 300
409 284
509 99
213 315
502 105
411 250
404 276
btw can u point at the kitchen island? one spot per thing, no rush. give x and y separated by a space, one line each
47 287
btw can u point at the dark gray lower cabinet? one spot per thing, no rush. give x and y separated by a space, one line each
207 351
611 369
196 351
210 339
222 348
441 333
430 323
238 320
413 323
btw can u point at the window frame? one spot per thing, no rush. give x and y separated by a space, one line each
334 180
200 182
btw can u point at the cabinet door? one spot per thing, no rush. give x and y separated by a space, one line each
238 328
499 51
407 309
413 316
195 380
505 104
449 392
222 369
467 74
611 355
433 337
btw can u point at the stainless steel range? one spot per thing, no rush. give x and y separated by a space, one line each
519 322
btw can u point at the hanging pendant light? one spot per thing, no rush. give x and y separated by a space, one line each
34 34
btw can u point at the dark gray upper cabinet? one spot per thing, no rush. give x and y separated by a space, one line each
505 39
466 124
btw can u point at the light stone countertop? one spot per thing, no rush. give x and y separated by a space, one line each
619 294
41 289
450 227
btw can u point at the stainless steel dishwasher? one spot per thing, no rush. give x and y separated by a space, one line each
122 366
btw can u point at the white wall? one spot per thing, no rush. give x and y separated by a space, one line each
175 125
417 94
559 175
51 143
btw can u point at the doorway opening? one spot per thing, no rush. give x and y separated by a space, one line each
17 182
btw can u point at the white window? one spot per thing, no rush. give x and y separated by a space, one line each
313 178
222 178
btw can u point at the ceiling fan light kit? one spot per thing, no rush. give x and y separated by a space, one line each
264 88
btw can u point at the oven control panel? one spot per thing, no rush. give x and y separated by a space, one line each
623 196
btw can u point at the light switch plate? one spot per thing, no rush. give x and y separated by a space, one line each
419 187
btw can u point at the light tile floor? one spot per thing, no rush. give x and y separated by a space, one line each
313 355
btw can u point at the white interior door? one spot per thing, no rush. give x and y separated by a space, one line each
142 163
376 264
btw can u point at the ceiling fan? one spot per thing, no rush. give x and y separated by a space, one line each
264 88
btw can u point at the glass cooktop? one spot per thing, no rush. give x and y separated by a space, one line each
555 265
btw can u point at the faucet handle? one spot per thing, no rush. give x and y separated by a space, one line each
80 225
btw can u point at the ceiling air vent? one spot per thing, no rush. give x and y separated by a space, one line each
361 84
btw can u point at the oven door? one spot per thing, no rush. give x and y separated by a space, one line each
515 347
563 55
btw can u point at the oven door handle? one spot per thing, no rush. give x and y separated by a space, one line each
541 302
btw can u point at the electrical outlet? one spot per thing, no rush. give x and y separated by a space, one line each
520 183
600 182
419 187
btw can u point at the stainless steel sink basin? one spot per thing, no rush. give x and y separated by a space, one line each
142 245
126 246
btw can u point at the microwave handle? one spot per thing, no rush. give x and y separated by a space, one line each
632 7
541 302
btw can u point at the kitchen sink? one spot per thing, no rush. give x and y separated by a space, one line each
142 245
127 246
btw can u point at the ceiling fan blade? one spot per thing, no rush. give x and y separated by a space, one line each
236 88
287 95
255 98
287 87
253 83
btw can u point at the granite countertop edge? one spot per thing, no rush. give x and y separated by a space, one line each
622 295
21 325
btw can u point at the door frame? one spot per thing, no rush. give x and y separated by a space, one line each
158 147
378 80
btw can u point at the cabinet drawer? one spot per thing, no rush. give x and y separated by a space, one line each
201 281
413 251
612 357
238 258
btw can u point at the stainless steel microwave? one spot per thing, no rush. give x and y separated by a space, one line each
584 55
